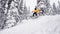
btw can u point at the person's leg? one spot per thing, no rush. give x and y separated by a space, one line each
36 14
42 12
33 14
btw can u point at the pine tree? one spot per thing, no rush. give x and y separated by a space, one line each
58 8
2 14
47 7
54 9
20 6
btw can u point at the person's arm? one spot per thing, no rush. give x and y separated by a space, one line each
33 11
38 11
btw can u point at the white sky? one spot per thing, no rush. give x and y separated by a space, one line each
31 3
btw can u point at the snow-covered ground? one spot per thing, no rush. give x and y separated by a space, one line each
40 25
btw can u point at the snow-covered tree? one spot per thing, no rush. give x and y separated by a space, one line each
45 5
10 11
54 9
2 14
58 8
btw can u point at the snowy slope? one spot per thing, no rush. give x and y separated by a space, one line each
41 25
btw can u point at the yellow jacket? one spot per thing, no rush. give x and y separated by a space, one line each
37 11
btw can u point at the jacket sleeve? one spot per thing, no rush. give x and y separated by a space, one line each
38 11
33 11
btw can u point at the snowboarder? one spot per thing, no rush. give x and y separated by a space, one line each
35 11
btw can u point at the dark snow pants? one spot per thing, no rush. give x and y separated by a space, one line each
34 13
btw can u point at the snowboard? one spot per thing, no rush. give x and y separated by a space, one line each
34 17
